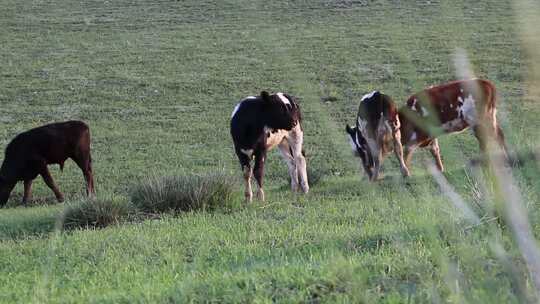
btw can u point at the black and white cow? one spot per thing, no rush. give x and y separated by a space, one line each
259 123
377 133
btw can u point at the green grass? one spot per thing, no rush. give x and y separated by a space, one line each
157 81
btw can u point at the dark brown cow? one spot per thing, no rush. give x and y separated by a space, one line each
29 153
450 108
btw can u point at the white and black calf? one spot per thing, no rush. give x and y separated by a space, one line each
259 123
377 133
449 108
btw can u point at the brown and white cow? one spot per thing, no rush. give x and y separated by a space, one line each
30 152
259 123
449 108
377 133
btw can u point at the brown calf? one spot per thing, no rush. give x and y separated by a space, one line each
450 108
29 153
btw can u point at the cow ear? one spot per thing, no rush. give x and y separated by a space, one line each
265 96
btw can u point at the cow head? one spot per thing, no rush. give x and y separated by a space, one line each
279 114
361 149
5 190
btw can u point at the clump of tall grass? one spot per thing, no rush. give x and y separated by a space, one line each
206 192
97 212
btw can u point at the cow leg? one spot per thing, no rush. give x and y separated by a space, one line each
296 140
398 150
245 163
248 194
285 151
44 172
258 171
377 160
436 153
481 137
483 134
499 137
27 191
407 155
5 191
84 161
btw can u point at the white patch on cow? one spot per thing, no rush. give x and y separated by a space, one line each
424 112
237 107
451 106
414 104
362 125
494 119
468 110
413 137
283 99
274 137
353 144
367 96
248 152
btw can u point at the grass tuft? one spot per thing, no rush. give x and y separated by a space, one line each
98 212
206 192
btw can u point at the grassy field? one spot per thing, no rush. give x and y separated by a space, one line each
157 81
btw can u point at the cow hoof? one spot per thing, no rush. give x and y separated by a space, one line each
60 199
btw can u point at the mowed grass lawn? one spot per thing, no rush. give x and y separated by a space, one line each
157 81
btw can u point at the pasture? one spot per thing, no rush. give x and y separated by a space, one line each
157 81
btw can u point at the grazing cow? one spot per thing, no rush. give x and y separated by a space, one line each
29 153
259 123
449 108
377 133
